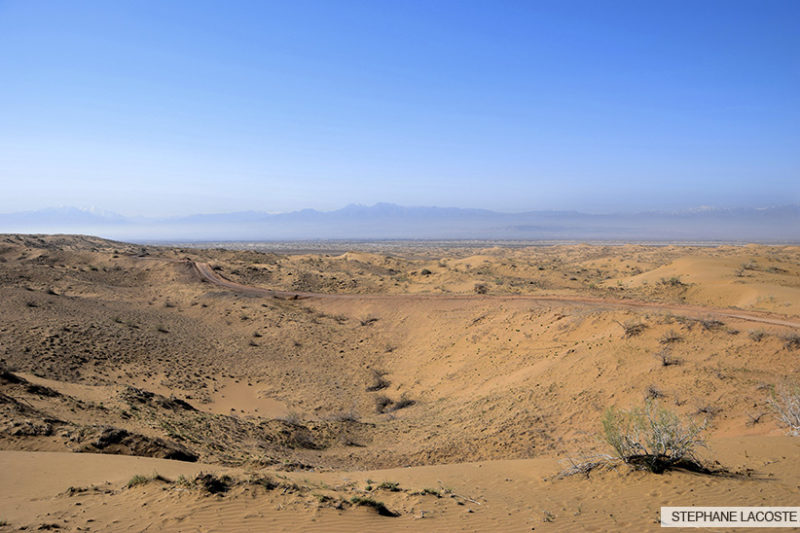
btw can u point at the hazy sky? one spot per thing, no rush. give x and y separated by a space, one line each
159 108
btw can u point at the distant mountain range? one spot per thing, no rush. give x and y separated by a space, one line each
389 221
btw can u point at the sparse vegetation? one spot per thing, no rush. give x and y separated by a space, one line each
377 381
138 480
667 358
791 341
757 335
653 392
384 404
633 328
785 401
379 507
710 324
653 438
367 320
669 337
674 281
213 484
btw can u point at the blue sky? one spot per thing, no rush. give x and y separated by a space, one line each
162 108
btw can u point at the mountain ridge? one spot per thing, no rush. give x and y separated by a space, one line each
392 221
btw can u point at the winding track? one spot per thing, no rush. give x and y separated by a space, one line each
208 274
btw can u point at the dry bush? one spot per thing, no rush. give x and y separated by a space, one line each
346 416
786 403
670 337
791 341
632 328
757 335
666 358
480 288
384 404
377 381
711 324
367 320
586 464
653 438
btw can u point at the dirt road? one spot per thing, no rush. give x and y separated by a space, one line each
208 274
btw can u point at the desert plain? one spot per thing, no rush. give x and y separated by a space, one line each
405 387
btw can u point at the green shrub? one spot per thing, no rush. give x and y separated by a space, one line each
652 438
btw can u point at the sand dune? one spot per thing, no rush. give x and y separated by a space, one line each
471 372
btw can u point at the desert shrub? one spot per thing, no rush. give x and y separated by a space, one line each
377 381
633 329
213 484
139 479
425 272
380 507
791 341
383 404
402 403
757 335
786 403
669 337
710 324
652 438
390 486
480 288
291 417
367 320
666 358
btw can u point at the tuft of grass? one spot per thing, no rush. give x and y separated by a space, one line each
139 479
379 507
390 486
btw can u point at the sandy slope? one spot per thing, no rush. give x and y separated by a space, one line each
382 362
504 495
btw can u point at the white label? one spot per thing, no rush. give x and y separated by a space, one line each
730 517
